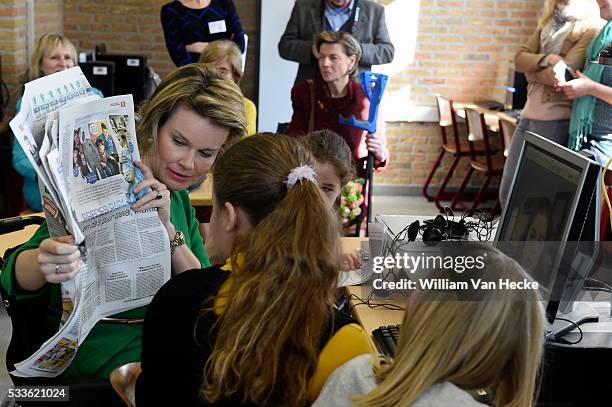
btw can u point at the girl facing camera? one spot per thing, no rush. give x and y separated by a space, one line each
259 327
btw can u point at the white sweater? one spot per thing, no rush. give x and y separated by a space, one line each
355 377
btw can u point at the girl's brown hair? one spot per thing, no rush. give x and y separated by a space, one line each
197 87
328 147
269 336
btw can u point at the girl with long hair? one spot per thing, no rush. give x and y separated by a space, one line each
446 348
260 327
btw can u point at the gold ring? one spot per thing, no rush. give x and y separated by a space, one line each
57 269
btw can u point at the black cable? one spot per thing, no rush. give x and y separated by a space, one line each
560 339
371 305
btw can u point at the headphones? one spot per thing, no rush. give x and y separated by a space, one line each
438 229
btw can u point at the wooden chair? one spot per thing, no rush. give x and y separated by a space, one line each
450 143
506 128
123 380
488 163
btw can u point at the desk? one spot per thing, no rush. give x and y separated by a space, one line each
13 239
507 117
569 372
372 318
491 118
202 195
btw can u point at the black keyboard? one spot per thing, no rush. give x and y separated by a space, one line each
385 338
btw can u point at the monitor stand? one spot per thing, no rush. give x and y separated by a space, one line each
581 313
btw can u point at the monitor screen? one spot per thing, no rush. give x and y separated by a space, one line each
538 208
551 203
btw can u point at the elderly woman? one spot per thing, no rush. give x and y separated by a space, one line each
317 103
184 125
564 32
225 56
52 53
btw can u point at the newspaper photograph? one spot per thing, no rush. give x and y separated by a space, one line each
83 149
100 137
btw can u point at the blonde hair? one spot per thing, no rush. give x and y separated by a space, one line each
493 343
197 87
587 10
350 45
219 49
45 44
269 337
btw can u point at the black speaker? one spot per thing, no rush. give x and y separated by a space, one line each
101 75
130 74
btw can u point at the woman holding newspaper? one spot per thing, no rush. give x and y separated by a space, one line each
189 118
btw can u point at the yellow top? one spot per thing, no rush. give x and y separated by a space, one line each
250 110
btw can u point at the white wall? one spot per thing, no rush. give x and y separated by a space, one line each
276 75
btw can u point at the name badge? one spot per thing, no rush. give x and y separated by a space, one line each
217 27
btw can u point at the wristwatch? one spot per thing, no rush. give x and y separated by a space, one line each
179 240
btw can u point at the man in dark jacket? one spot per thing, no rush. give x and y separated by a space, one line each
364 19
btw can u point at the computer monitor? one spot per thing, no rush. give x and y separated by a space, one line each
101 75
130 74
553 200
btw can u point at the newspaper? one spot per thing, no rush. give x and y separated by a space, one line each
83 149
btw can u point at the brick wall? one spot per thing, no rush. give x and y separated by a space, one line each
134 26
12 47
49 16
462 51
13 39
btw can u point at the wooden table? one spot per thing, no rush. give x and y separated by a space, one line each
372 318
512 119
13 239
202 196
491 117
368 317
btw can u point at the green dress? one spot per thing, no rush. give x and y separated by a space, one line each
108 344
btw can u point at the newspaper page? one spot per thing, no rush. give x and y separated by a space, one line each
99 138
125 255
41 97
124 262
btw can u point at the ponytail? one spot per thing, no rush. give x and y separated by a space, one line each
270 334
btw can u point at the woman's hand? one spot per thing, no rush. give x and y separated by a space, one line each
576 87
375 146
59 259
158 198
551 60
